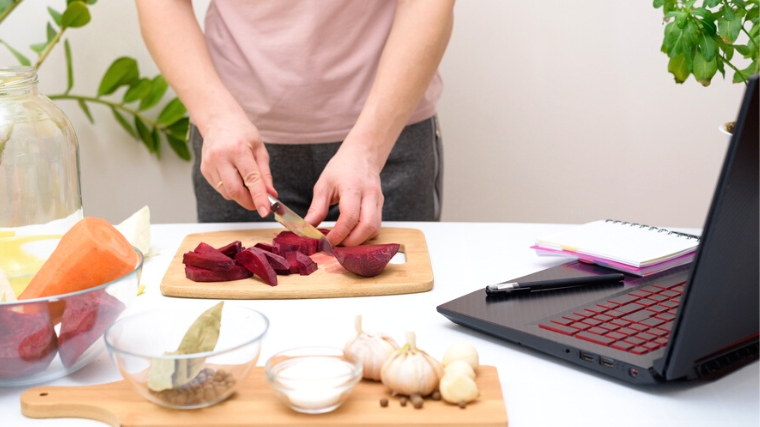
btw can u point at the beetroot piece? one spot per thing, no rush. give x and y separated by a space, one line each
208 260
292 260
27 342
305 264
196 274
289 241
275 248
278 262
85 318
254 260
232 249
366 260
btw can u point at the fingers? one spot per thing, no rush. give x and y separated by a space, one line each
320 205
255 181
360 218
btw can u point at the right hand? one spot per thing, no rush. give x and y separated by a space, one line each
235 162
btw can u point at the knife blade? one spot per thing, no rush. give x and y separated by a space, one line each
285 216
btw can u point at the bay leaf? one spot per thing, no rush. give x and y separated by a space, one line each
161 373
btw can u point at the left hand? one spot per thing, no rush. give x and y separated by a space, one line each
352 180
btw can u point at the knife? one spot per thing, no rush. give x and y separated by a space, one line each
297 225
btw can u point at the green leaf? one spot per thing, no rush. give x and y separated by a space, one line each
704 70
124 123
69 67
701 12
689 3
728 13
672 41
23 60
707 46
708 27
679 67
173 111
76 15
728 50
39 47
122 72
669 6
144 134
156 143
179 146
86 110
658 3
158 87
729 30
745 73
179 128
712 3
721 68
50 32
744 50
138 90
55 15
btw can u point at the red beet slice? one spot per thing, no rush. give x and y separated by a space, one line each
289 241
366 260
277 262
232 249
254 260
275 248
208 260
291 257
196 274
27 342
85 318
305 264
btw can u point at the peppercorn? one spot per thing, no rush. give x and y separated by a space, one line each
384 402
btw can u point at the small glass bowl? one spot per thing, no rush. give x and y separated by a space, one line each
44 339
313 380
138 344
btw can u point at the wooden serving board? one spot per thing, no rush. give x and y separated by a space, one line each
329 281
255 404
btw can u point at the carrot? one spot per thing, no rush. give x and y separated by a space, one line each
90 254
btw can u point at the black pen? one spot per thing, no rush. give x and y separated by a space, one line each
515 287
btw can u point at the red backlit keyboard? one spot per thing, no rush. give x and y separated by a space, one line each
638 322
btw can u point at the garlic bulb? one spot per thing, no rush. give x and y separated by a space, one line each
372 350
461 351
459 367
457 388
410 370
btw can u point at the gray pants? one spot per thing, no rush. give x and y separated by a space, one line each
411 179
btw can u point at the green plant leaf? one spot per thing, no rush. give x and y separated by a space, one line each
144 134
679 67
744 74
712 3
658 3
138 90
86 109
729 30
672 41
179 146
69 67
707 47
728 13
50 32
728 50
124 123
179 128
704 70
173 111
708 26
123 71
38 47
744 50
23 60
689 3
721 68
55 15
740 3
76 15
158 87
156 143
701 12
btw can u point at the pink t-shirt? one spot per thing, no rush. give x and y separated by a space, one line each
302 70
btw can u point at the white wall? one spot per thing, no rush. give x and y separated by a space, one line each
553 111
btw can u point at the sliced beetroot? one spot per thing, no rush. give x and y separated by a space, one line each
196 274
366 260
208 260
292 260
274 248
231 249
305 264
277 262
27 341
254 260
85 318
289 241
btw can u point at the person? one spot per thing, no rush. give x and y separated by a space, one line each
332 100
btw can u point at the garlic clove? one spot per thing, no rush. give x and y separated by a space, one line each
457 388
410 370
459 367
461 351
372 350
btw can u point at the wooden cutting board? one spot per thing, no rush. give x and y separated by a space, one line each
255 404
329 281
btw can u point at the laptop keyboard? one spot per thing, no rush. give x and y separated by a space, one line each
638 322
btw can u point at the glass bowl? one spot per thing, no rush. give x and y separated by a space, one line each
139 344
43 339
313 380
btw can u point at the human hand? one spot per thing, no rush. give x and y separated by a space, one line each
351 179
235 161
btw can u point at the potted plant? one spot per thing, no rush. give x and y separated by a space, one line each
714 36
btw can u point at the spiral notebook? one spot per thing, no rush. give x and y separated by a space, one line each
629 247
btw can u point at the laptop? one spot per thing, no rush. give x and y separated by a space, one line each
695 321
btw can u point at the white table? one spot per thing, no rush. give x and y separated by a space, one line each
538 390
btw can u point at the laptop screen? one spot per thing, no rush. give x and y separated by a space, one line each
719 310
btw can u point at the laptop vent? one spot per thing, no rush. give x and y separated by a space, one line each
733 360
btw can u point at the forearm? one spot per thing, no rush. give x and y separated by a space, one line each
178 47
414 49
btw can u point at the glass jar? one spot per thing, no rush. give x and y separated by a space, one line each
40 195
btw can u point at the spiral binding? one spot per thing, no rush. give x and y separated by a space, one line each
659 230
